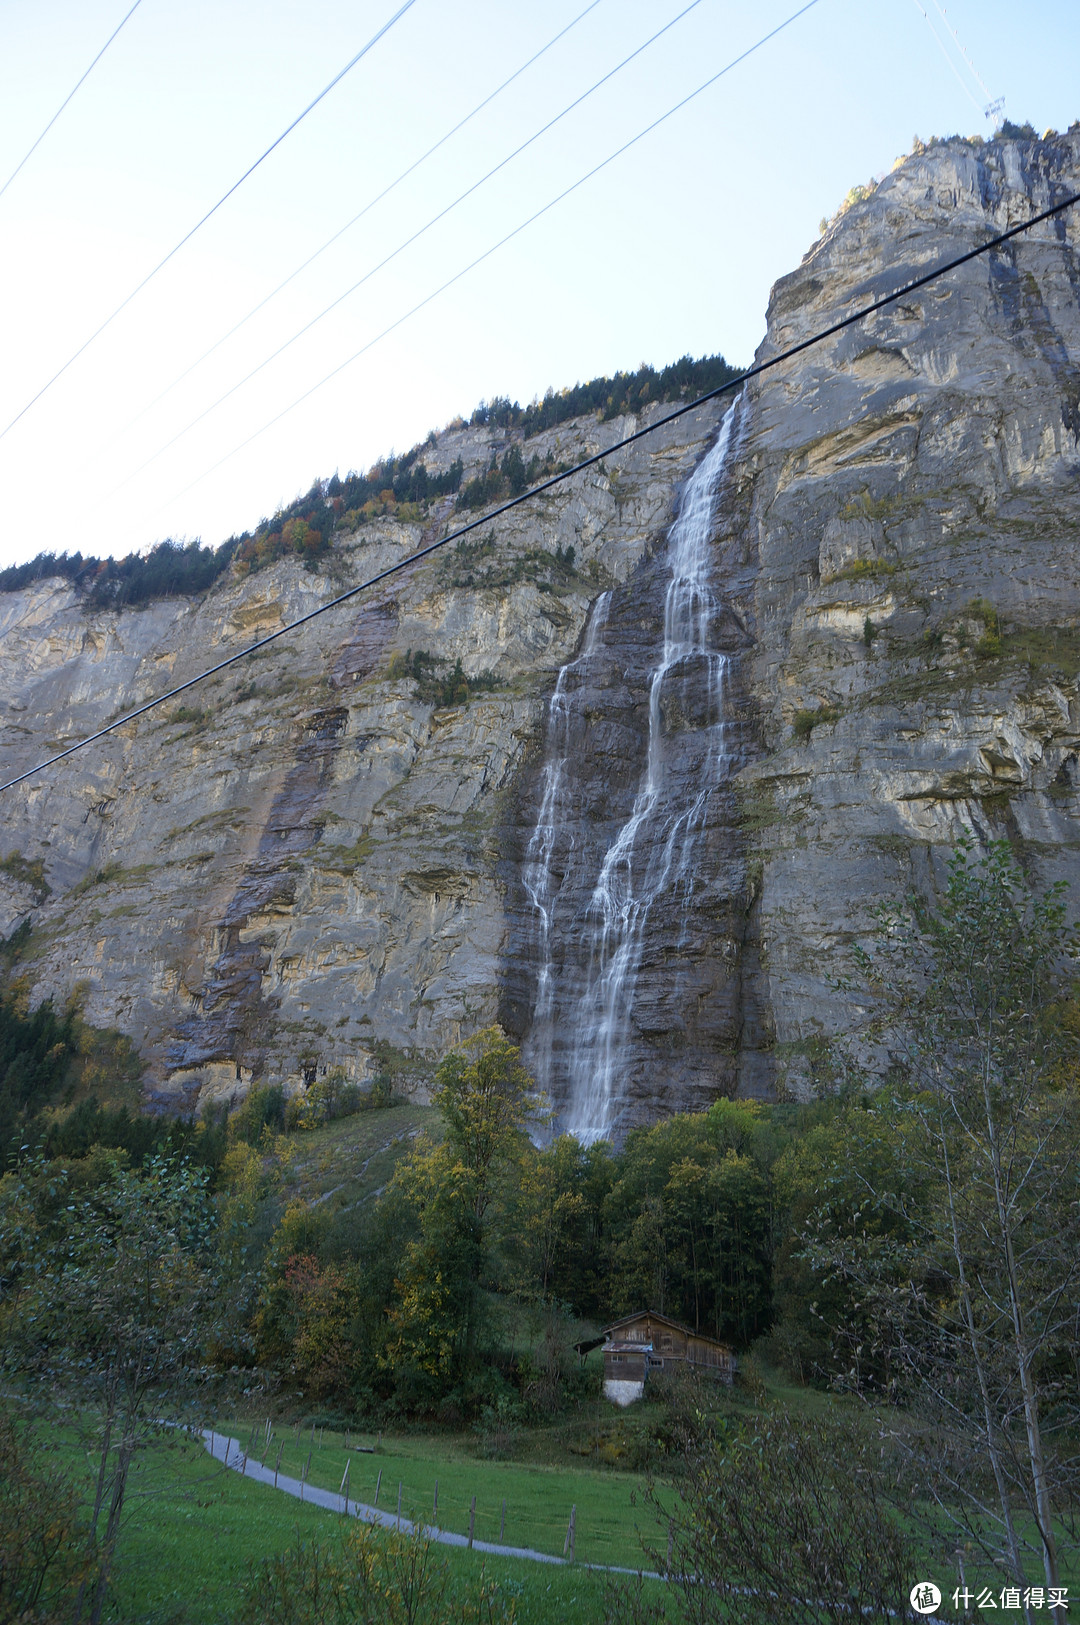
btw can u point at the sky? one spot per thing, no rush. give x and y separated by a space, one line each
670 249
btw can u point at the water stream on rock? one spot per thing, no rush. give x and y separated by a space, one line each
583 1010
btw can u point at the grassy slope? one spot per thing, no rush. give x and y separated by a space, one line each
352 1159
195 1531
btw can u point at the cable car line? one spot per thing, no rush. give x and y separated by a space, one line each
405 173
480 258
401 247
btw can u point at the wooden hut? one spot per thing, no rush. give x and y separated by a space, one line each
646 1342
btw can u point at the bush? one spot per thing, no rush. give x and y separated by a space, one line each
805 721
793 1521
45 1549
324 1101
263 1108
369 1579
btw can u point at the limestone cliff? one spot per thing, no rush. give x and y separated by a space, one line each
906 556
303 857
309 856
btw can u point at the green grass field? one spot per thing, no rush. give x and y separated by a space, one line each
195 1530
538 1498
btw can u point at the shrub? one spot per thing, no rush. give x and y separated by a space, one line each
369 1578
325 1100
805 721
45 1551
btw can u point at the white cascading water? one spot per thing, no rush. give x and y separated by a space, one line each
652 853
539 876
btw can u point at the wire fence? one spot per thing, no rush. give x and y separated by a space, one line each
581 1517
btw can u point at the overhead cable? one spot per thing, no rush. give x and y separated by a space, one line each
943 48
991 104
401 247
330 241
488 252
755 371
79 83
160 266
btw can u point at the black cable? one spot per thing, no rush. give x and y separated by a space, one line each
330 241
557 479
209 213
401 247
68 97
480 258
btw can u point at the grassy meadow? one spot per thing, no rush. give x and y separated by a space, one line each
196 1529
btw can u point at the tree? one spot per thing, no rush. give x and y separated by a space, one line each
45 1556
689 1219
108 1293
965 1258
791 1520
487 1098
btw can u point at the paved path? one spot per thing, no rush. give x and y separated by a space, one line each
230 1452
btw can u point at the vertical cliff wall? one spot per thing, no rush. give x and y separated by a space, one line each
874 647
303 857
910 509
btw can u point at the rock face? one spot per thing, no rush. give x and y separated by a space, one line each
307 856
909 515
627 885
303 857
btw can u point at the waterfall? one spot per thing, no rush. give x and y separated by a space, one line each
588 961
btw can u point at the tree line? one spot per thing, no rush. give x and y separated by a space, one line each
401 486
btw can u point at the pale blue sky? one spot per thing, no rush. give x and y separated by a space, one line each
672 249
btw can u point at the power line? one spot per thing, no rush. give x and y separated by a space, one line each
209 213
943 48
558 479
330 241
401 247
991 104
68 97
488 252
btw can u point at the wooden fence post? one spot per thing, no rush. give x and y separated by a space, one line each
277 1464
435 1505
378 1484
344 1490
399 1503
568 1543
502 1523
472 1521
